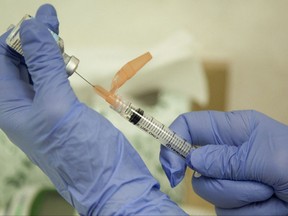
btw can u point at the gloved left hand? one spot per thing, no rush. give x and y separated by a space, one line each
89 161
243 160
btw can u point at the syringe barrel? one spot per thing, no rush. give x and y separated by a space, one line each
153 127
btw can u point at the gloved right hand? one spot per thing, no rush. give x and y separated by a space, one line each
243 161
89 161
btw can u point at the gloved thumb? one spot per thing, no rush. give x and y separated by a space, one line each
219 161
47 15
173 165
41 52
45 63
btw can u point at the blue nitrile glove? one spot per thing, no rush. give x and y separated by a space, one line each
243 165
90 162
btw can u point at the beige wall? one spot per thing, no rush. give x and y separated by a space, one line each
250 35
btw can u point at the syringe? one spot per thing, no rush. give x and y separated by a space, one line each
147 123
136 115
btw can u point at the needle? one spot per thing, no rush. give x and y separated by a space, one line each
84 79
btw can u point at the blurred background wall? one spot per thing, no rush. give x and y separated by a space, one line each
241 44
251 36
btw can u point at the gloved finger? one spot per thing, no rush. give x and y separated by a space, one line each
173 165
12 74
9 60
15 101
12 63
212 127
48 16
45 64
231 194
272 206
219 161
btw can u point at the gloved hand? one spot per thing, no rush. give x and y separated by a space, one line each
243 163
89 161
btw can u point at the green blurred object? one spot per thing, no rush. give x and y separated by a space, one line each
17 172
38 201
